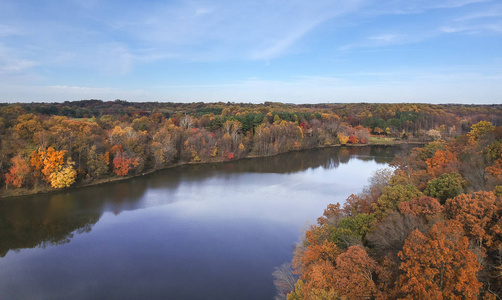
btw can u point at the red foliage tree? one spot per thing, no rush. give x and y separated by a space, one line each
353 139
122 164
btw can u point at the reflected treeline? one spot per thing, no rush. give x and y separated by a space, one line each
54 219
297 161
41 222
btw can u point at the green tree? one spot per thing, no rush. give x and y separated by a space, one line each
392 196
447 186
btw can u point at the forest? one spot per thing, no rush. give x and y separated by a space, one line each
52 146
430 228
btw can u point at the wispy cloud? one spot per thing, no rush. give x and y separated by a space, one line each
492 12
278 47
384 37
473 28
475 22
11 63
486 20
454 3
6 30
402 7
385 40
233 29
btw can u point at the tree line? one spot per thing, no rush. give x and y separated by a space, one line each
46 146
431 228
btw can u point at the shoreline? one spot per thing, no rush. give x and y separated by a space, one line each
45 191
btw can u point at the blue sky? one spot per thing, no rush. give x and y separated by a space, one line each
447 51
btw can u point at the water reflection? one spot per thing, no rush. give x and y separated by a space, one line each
55 219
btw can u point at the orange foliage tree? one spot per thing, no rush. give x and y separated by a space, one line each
53 161
424 207
479 213
37 163
50 165
315 260
442 162
317 246
18 172
438 265
353 277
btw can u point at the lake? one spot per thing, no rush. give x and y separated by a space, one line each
209 231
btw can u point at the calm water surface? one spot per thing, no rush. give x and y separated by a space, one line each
194 232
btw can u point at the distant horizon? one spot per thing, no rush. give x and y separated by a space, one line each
252 51
237 103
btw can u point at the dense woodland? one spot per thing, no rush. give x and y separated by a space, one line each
47 146
429 229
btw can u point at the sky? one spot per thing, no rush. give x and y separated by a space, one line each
292 51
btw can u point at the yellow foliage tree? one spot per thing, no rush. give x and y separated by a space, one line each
343 139
477 130
64 177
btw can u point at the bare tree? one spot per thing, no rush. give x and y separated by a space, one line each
284 280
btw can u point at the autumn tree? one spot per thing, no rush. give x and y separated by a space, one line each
441 162
320 280
353 275
297 293
97 163
50 164
37 163
316 246
64 176
343 138
332 215
18 173
494 154
479 129
123 164
479 213
53 160
438 265
424 207
357 204
28 125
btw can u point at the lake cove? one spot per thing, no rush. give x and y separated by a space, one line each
210 231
